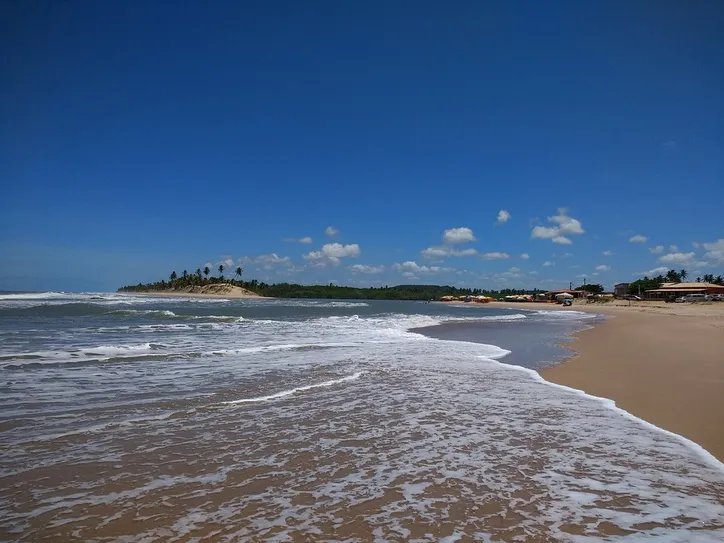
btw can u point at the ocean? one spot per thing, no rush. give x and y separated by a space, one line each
134 418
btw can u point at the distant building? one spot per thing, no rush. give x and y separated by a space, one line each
575 293
682 289
621 289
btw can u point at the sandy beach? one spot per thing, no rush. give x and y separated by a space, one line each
207 291
661 362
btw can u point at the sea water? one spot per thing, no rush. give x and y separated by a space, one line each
132 418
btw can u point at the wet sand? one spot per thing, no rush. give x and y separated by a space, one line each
661 362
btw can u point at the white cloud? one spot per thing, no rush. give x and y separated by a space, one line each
715 250
695 244
331 231
441 251
331 253
656 271
678 258
305 240
267 261
567 255
566 226
415 268
227 262
435 253
514 269
341 251
458 235
607 253
503 216
548 263
673 249
361 268
495 256
271 260
524 256
603 267
544 232
638 238
658 249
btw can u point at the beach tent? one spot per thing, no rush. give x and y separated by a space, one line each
563 296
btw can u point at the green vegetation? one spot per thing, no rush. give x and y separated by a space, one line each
400 292
593 288
291 290
709 278
672 276
187 279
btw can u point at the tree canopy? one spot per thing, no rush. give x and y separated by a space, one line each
593 288
671 276
293 290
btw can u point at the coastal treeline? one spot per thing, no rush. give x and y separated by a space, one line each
398 292
199 278
672 276
293 290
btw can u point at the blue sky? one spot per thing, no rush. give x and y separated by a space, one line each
138 138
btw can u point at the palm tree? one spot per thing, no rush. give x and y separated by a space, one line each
221 271
207 271
173 276
239 271
198 274
719 280
185 275
683 274
698 279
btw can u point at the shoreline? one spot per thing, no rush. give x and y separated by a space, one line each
662 363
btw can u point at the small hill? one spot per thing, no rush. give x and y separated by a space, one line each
218 289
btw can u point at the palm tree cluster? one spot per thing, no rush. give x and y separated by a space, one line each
198 278
672 276
709 278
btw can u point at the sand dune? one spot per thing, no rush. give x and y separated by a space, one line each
216 290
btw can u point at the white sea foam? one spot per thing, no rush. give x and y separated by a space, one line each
95 353
159 312
295 390
569 315
340 413
34 296
513 317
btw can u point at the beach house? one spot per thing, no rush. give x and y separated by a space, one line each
682 289
575 293
620 290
